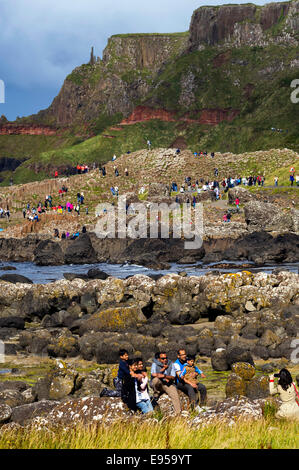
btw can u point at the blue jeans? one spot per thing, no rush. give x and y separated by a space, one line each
145 406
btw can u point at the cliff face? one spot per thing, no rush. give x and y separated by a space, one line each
115 83
145 52
222 68
245 25
206 116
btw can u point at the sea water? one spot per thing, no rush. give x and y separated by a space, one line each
46 274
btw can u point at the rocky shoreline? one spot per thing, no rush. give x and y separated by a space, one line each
257 313
232 321
260 247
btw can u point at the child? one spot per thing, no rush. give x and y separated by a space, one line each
190 372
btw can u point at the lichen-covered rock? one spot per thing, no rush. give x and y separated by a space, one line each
21 414
244 370
61 386
258 387
235 386
56 384
267 217
89 386
111 290
231 411
87 410
5 413
269 338
11 398
63 345
29 396
114 319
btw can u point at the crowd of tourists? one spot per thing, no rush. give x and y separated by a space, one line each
5 213
32 213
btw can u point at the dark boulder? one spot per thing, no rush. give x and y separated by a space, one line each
21 414
88 302
47 253
12 322
237 354
14 278
6 333
80 251
218 360
95 273
106 352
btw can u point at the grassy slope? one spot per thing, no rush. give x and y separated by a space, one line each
29 147
100 148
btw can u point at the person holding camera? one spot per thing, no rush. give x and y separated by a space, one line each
288 393
162 380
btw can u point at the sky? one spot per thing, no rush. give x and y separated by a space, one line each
42 41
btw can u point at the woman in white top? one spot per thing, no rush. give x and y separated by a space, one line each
288 394
143 401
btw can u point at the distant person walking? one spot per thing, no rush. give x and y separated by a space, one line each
292 179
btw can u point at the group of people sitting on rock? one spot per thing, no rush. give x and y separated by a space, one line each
67 235
132 382
167 377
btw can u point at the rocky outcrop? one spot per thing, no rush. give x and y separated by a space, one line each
241 193
95 319
123 76
268 217
129 83
243 24
242 382
30 129
9 164
210 117
240 242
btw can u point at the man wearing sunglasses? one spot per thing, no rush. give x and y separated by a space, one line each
162 380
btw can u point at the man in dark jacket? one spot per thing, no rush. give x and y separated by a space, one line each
162 380
128 391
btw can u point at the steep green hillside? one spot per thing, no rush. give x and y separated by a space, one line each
223 86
